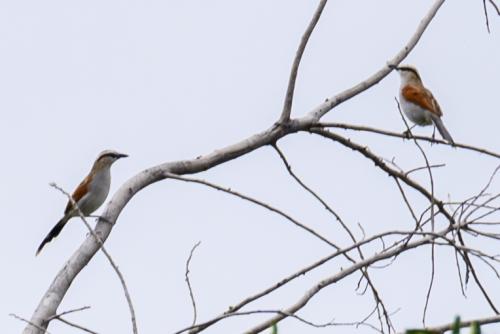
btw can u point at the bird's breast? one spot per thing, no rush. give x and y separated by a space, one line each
415 113
98 191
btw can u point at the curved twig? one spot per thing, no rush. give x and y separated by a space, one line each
188 282
255 201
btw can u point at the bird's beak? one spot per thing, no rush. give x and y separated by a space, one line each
122 155
393 67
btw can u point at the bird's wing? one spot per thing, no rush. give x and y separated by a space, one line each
422 97
79 192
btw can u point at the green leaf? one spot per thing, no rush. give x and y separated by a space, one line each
274 329
475 328
456 325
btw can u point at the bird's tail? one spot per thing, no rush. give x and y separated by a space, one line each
54 232
442 129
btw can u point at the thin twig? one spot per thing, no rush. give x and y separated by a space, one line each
459 274
255 201
312 192
431 179
287 106
492 2
29 323
481 194
72 324
69 311
188 282
431 283
379 163
342 274
408 205
403 136
487 213
424 167
193 328
427 164
292 277
486 17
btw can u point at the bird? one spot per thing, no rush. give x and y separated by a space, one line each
418 103
90 193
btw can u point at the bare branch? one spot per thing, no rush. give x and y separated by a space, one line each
424 167
334 101
431 283
290 278
287 107
459 274
255 201
397 174
70 311
492 2
193 328
431 179
344 273
375 292
106 253
486 17
312 192
61 283
186 275
403 136
408 205
379 163
29 323
72 324
481 194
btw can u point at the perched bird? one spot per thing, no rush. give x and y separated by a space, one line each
418 103
90 193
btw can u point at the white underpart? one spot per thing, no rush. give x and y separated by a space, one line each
415 113
99 188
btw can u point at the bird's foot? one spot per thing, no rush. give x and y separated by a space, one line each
433 136
407 134
102 219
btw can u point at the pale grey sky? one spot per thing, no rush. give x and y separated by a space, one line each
168 80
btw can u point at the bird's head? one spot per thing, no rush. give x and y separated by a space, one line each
408 73
107 157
